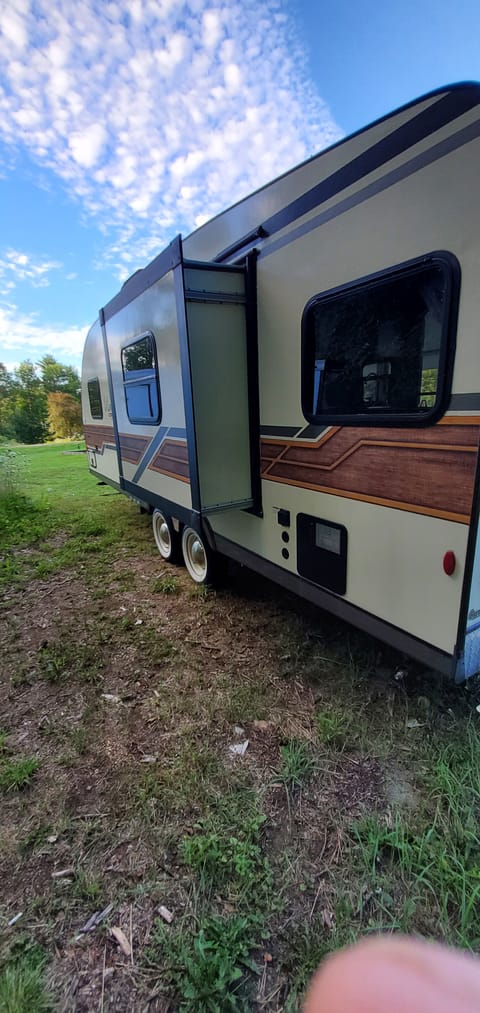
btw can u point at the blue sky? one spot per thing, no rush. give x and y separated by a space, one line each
124 123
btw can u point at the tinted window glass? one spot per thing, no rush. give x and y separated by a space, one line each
377 349
140 377
95 398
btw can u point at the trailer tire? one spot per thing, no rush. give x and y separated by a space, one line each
166 538
199 558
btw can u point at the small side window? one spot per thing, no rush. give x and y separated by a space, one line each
378 350
140 381
95 398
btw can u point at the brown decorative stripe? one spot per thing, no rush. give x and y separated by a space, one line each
132 448
428 471
459 420
96 437
172 460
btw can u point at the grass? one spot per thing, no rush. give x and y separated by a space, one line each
49 490
334 729
165 585
225 850
298 764
181 782
124 684
210 956
304 952
423 870
22 985
16 774
67 659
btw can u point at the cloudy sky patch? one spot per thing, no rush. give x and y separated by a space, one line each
152 115
138 107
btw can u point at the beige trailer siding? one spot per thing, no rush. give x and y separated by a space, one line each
99 432
396 542
166 472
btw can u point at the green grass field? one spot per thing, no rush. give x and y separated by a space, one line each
354 809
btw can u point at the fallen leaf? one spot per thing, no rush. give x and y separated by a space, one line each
121 939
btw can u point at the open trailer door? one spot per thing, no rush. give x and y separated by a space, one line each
221 392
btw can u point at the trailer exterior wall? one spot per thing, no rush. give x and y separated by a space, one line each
154 457
398 191
396 542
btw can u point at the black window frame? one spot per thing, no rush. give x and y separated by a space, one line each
98 392
451 270
141 420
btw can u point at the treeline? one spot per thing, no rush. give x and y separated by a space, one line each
39 402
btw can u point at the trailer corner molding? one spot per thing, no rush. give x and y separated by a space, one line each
296 384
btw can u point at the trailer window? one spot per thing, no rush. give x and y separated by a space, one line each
378 350
95 398
140 380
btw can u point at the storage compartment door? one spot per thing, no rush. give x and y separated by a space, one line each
218 361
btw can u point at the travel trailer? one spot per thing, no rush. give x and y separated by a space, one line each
296 385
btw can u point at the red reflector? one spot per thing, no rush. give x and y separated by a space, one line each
449 563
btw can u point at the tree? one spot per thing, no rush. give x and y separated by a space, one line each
28 406
64 415
56 377
7 386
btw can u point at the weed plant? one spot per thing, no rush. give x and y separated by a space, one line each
208 969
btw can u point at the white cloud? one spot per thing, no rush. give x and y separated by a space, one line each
23 337
13 28
17 266
157 114
86 145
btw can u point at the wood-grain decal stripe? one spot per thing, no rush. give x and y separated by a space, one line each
172 460
132 448
428 471
98 437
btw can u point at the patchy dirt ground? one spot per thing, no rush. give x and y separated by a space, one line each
129 692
